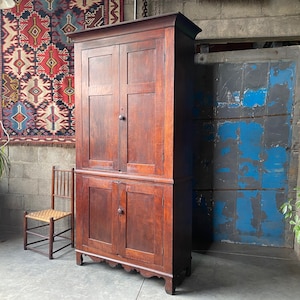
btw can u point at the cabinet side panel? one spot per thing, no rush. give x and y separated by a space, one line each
78 102
183 105
182 231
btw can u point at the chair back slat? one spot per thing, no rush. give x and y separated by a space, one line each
62 185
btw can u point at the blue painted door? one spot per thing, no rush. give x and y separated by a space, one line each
243 136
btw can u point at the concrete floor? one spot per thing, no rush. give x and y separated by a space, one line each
224 272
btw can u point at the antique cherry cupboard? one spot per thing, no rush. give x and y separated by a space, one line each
134 90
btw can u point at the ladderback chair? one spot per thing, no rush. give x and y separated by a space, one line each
40 225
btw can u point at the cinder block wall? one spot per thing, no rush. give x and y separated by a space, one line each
29 182
223 20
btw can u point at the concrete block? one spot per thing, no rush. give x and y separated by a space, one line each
280 8
23 186
36 171
33 203
4 219
236 9
202 10
249 28
16 169
58 156
23 153
155 8
12 202
15 219
169 6
128 12
3 185
44 186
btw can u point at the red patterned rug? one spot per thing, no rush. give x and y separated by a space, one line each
38 65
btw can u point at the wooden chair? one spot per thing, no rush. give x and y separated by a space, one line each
62 189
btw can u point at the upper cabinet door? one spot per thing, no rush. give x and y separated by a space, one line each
100 107
142 107
122 107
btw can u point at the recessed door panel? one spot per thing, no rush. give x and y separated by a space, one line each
103 128
100 209
141 108
100 107
142 223
98 204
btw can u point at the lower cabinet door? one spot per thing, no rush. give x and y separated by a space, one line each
141 222
122 219
95 215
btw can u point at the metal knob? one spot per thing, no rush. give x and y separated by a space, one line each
120 211
121 117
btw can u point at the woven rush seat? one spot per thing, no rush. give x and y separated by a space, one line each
47 214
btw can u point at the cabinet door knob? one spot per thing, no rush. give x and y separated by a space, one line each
121 117
120 211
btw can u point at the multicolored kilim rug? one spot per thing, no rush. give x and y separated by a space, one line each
38 65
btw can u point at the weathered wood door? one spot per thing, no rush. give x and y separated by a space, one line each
245 165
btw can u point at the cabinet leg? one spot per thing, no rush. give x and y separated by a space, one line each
79 259
169 286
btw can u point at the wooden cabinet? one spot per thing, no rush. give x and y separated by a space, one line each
134 88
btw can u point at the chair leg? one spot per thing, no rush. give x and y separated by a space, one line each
51 233
72 231
25 231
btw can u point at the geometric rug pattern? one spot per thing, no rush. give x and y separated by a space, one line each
37 65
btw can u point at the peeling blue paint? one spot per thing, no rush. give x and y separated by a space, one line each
248 172
220 221
274 173
272 224
218 210
227 130
244 213
279 75
284 77
253 98
250 140
223 170
225 150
